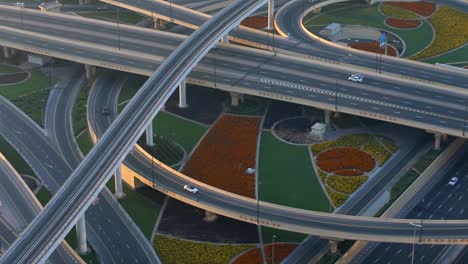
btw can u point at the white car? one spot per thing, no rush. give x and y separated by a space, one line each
191 189
453 181
356 78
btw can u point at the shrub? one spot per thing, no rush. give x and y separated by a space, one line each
380 154
388 143
451 32
345 184
172 250
322 175
337 198
397 12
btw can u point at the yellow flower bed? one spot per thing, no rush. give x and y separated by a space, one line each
322 175
396 12
175 251
389 145
451 27
337 198
380 154
345 184
353 141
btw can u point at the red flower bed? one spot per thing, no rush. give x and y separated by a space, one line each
345 159
373 46
257 22
225 153
254 256
420 8
402 23
348 172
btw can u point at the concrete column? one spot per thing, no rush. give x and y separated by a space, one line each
225 39
337 114
271 13
437 139
183 94
81 236
159 24
235 99
327 117
6 52
90 72
444 138
149 135
333 246
119 194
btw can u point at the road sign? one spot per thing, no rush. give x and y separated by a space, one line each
383 40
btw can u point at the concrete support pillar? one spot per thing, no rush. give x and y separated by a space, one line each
81 236
225 39
235 99
84 2
183 94
444 138
333 246
90 72
210 217
327 117
6 52
119 194
337 114
149 135
437 139
271 13
159 24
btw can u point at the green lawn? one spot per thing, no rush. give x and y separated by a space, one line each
30 96
416 39
15 158
126 17
85 143
179 130
457 55
44 196
79 122
287 177
131 86
9 69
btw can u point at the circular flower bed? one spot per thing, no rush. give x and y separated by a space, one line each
402 23
254 255
373 46
420 8
345 159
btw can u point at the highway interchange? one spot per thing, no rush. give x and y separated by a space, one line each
440 107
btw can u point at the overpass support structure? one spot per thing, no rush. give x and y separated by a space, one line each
159 24
327 117
119 194
90 72
271 14
7 52
183 94
81 236
225 38
149 135
84 2
236 98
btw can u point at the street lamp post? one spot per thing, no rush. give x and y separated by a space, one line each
414 239
273 249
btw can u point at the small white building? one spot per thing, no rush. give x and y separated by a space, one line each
332 29
38 59
317 131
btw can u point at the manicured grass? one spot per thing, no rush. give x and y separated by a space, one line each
457 55
287 176
179 130
172 250
396 12
15 158
85 143
131 18
44 196
131 86
426 160
9 69
36 82
415 39
79 111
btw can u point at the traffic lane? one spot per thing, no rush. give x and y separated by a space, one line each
107 232
442 194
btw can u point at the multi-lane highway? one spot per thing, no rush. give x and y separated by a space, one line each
108 227
18 208
230 68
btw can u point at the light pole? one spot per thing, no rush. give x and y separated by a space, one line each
414 239
273 249
21 5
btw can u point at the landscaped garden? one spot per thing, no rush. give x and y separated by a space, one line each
225 153
172 250
344 164
254 255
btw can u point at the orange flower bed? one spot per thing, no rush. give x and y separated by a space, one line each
254 256
420 8
225 153
348 172
257 22
373 46
345 159
402 23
